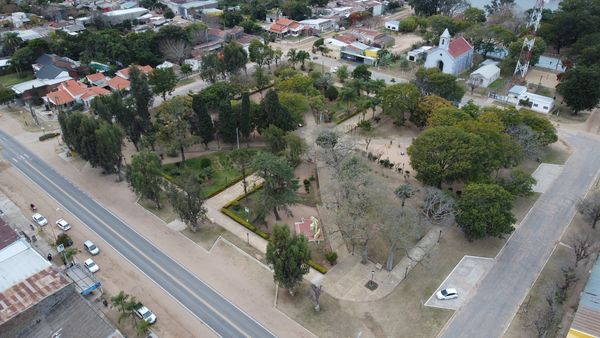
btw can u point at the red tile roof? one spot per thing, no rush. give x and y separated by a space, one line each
60 97
294 25
346 38
125 71
74 88
118 83
96 77
277 28
94 91
459 46
284 22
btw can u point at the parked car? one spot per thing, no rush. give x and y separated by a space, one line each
39 219
91 265
447 294
91 248
63 225
144 313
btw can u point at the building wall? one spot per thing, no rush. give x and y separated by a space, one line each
391 26
27 321
438 55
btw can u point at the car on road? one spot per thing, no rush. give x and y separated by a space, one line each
144 313
39 219
91 265
63 225
90 247
446 294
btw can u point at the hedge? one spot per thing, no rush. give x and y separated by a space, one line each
218 191
347 117
254 229
48 136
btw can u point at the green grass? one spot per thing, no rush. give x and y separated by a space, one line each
497 84
223 172
13 79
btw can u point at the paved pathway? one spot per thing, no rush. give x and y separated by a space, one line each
491 309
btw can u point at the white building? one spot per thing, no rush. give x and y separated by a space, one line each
393 25
418 54
319 25
519 96
187 9
484 75
450 56
120 15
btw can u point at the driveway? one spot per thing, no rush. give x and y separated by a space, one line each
494 304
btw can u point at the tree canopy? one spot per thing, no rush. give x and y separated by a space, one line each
485 210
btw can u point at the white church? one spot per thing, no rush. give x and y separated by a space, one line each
451 56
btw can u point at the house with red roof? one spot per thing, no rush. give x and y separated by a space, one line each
124 73
118 83
284 27
97 79
451 56
71 92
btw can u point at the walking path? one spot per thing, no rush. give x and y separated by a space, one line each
519 263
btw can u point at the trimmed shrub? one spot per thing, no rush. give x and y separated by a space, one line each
48 136
331 257
205 162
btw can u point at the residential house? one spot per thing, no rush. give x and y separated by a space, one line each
393 25
451 56
519 96
373 37
71 92
586 322
484 75
97 79
551 63
52 66
118 83
284 27
37 87
318 25
418 54
124 73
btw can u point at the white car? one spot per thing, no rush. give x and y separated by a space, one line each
91 265
447 294
91 248
63 225
39 219
145 314
334 69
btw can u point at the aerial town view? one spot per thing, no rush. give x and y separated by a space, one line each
299 168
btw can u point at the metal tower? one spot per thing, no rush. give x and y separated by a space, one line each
525 56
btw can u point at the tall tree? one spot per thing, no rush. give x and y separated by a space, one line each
11 42
262 79
245 120
589 207
400 99
342 73
234 57
361 72
227 123
579 87
7 95
188 202
258 52
163 81
446 154
142 96
296 147
211 67
289 255
485 210
433 81
275 138
173 125
279 188
425 108
242 159
109 145
272 112
144 176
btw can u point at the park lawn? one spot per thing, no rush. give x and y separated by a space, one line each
13 79
224 173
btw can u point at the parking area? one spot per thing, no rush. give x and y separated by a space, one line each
464 277
545 175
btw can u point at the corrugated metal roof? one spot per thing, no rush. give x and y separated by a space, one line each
19 261
587 317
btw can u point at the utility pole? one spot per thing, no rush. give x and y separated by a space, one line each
237 136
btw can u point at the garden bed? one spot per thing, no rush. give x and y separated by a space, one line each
216 169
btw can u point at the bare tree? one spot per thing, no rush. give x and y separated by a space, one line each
527 138
315 296
174 50
582 245
543 317
398 226
438 206
589 208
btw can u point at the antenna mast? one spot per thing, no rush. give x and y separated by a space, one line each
525 56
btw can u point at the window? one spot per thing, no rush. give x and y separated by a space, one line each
535 104
545 107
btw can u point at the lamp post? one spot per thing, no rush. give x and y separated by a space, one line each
372 275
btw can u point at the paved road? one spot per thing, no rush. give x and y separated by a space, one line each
224 318
490 310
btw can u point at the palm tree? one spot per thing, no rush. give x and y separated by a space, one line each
292 55
70 254
347 95
302 56
277 54
129 308
404 192
119 301
142 327
11 42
